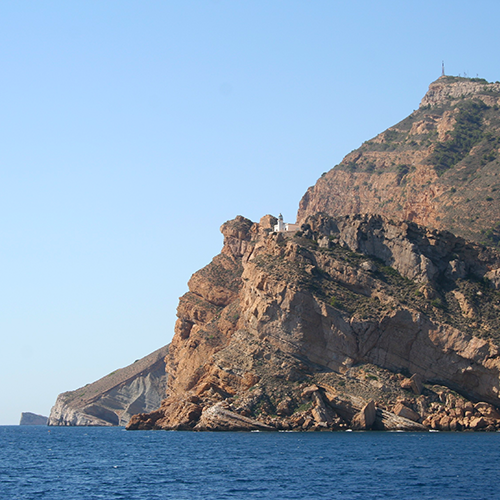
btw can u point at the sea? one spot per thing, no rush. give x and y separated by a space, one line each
90 463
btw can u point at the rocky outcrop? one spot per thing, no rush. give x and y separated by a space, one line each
450 88
439 167
380 313
351 323
28 418
113 399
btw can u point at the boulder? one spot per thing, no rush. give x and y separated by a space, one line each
414 383
444 423
322 414
217 417
403 411
365 418
477 423
487 410
309 391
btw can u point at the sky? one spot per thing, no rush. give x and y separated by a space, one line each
130 131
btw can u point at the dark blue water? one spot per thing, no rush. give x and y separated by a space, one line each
110 463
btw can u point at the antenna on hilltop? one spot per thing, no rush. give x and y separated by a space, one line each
442 68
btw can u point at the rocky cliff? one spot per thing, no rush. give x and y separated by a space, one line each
355 321
113 399
439 167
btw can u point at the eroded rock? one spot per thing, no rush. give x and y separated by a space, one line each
113 399
279 332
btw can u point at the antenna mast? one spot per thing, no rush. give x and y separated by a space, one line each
442 68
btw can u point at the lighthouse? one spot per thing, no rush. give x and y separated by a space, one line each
284 226
281 225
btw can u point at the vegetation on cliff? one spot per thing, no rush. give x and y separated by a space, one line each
438 167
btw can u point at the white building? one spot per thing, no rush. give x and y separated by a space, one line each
284 226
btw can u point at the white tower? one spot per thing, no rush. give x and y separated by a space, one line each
281 225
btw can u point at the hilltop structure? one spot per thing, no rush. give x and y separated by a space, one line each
282 227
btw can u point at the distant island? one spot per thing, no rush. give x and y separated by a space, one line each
28 418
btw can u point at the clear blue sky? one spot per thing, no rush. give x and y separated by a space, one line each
130 131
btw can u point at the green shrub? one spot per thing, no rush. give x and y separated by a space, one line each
303 407
437 303
334 302
467 133
390 271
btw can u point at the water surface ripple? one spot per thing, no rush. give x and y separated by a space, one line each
110 463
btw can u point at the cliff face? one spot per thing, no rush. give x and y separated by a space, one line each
353 322
439 167
113 399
